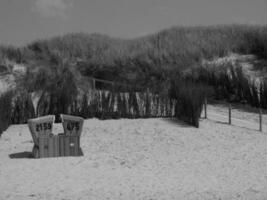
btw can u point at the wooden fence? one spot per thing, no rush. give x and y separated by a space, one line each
127 104
113 100
230 118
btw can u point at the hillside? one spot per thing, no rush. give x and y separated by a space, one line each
145 60
10 74
219 62
253 67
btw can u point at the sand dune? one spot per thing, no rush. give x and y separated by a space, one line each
140 159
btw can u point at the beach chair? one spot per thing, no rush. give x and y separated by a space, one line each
41 130
69 142
46 144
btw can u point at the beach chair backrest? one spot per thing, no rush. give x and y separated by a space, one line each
72 125
41 126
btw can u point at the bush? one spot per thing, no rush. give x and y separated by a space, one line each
58 85
23 108
190 97
263 95
5 110
230 83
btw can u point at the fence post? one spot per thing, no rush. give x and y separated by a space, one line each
94 84
147 103
205 108
260 112
113 87
230 114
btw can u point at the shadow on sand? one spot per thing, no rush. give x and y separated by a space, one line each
21 155
29 155
238 126
177 122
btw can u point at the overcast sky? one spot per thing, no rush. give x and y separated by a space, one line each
22 21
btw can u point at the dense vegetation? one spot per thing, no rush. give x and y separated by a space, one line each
5 110
157 61
190 96
146 60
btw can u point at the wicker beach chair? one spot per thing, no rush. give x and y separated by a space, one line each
64 144
40 128
70 140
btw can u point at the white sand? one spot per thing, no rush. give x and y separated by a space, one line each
141 159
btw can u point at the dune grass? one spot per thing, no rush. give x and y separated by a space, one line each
59 66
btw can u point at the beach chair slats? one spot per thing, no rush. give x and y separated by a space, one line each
74 145
58 145
43 147
69 145
61 145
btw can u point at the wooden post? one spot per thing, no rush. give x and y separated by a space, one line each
205 108
94 84
113 87
147 103
230 114
260 112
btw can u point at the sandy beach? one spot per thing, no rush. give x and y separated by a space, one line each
140 159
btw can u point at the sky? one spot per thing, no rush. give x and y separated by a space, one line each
23 21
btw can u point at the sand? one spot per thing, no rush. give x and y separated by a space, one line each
144 159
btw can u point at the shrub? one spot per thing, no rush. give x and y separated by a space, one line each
85 109
263 95
59 87
5 110
23 108
230 83
190 98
